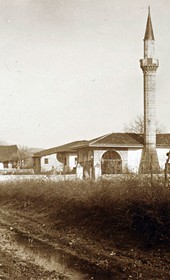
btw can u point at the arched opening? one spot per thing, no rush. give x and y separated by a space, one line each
111 163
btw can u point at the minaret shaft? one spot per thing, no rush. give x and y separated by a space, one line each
149 65
149 110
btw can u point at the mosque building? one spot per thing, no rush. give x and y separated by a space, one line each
117 153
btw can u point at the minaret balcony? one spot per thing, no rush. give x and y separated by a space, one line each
149 61
149 64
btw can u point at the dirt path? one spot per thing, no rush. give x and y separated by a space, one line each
23 256
16 265
99 256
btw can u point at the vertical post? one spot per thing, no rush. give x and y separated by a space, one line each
151 172
166 167
79 171
37 164
97 171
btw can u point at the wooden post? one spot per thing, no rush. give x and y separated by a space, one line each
166 167
151 171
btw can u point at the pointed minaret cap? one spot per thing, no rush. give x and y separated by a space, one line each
149 31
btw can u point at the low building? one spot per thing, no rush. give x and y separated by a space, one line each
7 157
114 153
118 153
61 159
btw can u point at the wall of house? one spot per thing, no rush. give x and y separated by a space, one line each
134 157
123 153
53 163
9 165
72 161
85 158
130 158
85 155
162 157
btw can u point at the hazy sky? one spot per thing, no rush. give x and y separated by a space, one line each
69 69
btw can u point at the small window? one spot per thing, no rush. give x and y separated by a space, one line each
46 160
5 164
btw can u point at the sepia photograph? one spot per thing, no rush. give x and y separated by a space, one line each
84 139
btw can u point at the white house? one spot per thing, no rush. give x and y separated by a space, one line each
61 159
6 156
119 153
114 153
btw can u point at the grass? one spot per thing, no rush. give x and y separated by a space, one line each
101 209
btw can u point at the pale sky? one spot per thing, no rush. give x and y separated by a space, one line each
69 69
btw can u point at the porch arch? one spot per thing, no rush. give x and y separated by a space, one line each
111 162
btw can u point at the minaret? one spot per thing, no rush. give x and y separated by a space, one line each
149 161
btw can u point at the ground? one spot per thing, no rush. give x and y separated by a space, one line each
116 258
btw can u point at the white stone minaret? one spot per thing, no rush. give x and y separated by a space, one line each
149 161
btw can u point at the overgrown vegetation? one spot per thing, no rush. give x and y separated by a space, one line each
102 209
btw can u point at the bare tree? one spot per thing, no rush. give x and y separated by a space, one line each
23 158
137 126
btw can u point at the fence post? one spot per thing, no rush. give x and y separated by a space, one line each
151 172
97 171
79 171
166 167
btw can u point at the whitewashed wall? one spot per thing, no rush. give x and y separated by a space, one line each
134 157
130 158
72 161
53 163
2 166
99 153
162 156
97 156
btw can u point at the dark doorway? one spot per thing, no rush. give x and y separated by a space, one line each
111 163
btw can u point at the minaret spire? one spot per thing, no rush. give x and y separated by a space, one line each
149 30
149 10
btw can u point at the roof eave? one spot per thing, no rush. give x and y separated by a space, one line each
116 145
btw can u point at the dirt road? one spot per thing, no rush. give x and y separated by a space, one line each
14 264
89 259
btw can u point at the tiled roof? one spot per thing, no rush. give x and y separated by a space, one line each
69 147
118 139
129 140
163 140
114 140
6 152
